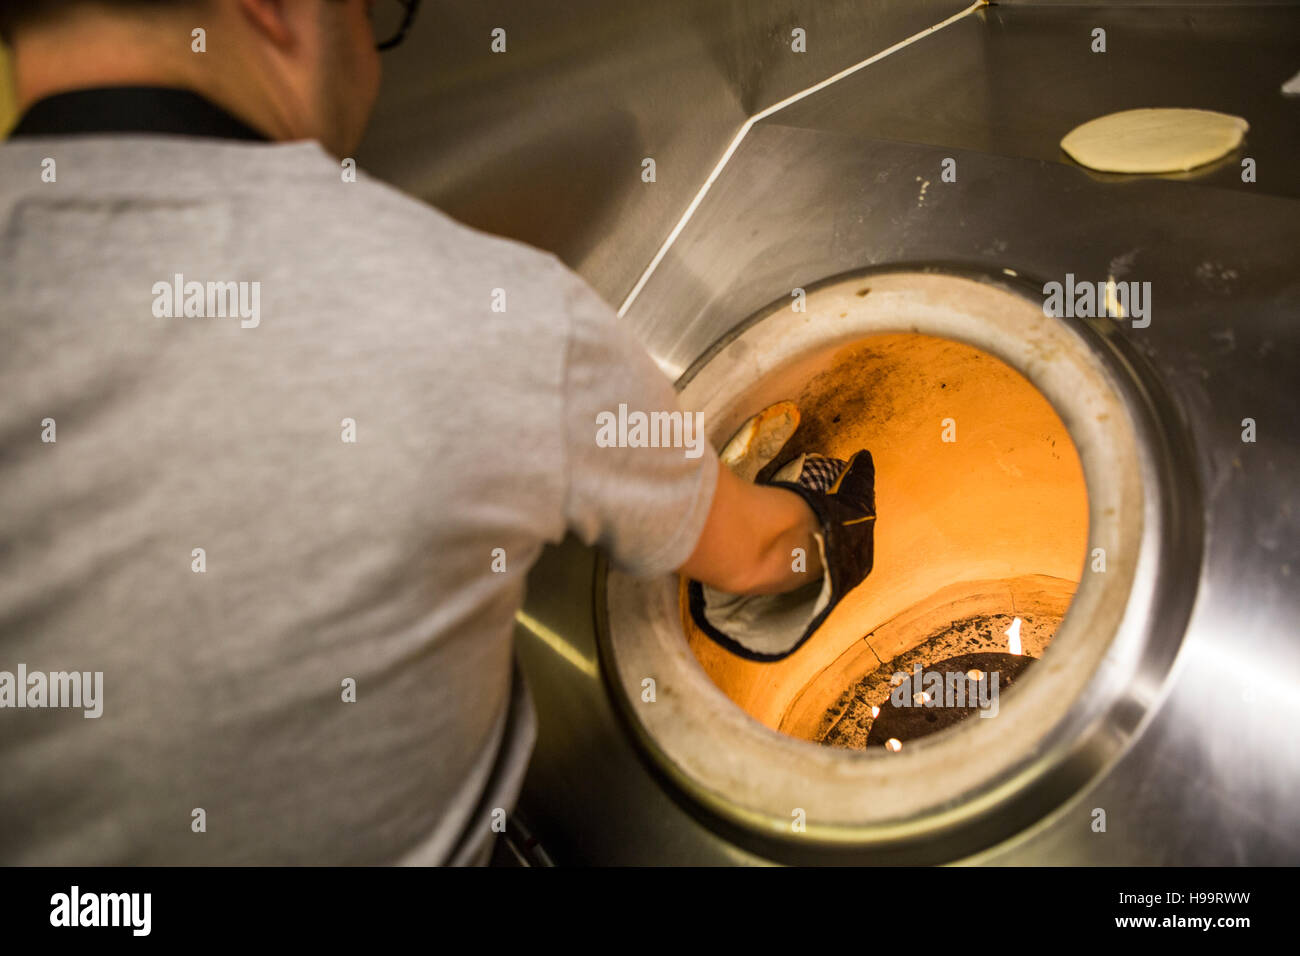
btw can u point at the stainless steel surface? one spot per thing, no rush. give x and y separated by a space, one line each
834 184
544 142
839 194
1112 4
1015 80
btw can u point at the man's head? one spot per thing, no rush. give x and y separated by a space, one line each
293 69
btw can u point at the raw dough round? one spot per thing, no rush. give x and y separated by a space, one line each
1154 140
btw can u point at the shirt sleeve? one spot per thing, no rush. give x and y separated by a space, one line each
640 470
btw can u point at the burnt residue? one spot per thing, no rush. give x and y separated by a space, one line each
847 723
857 388
964 697
859 393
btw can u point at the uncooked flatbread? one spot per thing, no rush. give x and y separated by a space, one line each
1154 141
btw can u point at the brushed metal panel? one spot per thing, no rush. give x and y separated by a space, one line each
544 143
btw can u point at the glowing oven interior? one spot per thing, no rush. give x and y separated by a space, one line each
980 543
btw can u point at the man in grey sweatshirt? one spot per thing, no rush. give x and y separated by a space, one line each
279 446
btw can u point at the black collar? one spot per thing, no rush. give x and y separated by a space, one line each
131 109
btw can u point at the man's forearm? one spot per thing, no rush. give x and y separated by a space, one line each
757 540
789 557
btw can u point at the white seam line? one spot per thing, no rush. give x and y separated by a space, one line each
762 115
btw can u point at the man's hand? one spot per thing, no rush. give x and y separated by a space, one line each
768 627
750 536
774 559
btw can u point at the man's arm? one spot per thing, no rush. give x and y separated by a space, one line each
748 542
631 500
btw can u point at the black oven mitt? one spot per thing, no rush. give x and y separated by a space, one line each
769 627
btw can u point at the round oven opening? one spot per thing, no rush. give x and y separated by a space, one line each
980 542
1023 474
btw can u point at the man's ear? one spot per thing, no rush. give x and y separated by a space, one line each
271 18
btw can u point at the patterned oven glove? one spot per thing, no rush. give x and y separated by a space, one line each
769 627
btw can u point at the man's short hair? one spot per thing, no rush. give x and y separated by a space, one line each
16 14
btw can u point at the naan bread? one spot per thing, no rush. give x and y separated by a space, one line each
1154 140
